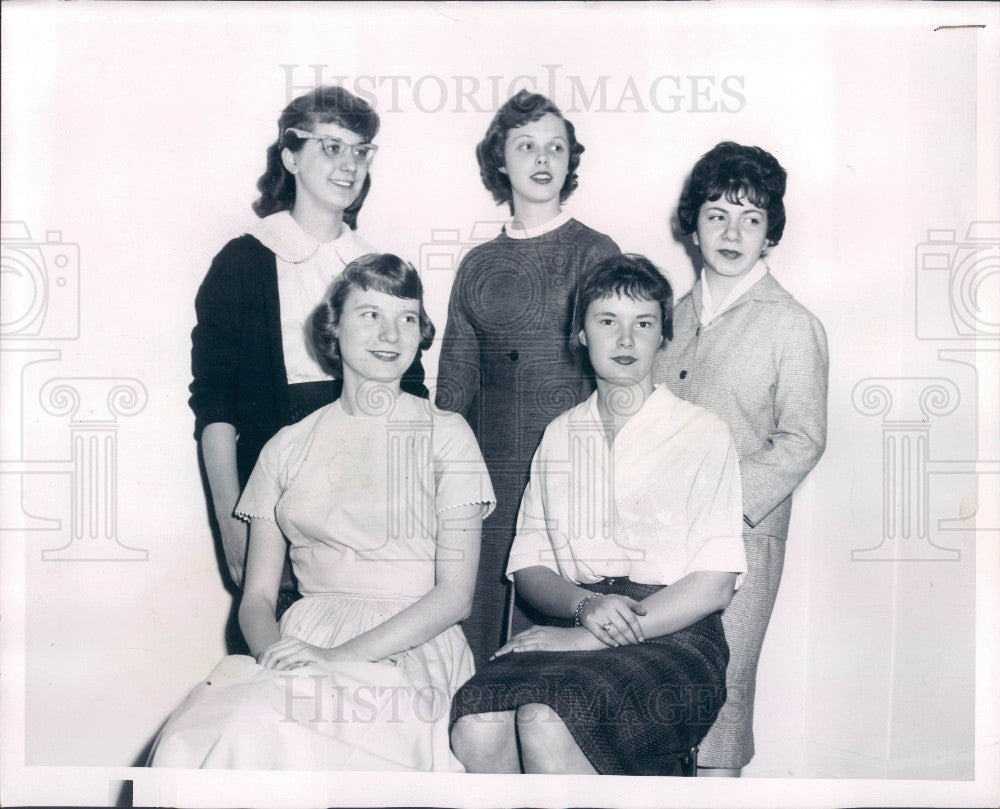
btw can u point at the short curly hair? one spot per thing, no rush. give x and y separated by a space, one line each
736 172
382 272
629 275
522 108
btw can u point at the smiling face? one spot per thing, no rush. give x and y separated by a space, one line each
536 160
325 182
622 336
377 335
732 236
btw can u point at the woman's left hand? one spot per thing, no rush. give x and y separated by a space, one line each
551 639
291 653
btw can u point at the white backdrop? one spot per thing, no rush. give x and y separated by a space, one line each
133 135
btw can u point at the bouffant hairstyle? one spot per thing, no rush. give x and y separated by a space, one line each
325 105
382 272
736 172
521 109
629 275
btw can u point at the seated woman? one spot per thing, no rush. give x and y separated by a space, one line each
381 498
629 535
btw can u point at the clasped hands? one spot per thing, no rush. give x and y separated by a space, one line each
292 653
605 620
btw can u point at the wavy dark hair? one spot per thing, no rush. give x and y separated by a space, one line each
629 275
522 108
382 272
329 104
736 172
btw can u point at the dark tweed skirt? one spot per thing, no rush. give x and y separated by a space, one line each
632 709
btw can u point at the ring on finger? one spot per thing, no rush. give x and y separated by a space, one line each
607 627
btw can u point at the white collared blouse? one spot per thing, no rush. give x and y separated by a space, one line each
661 502
306 268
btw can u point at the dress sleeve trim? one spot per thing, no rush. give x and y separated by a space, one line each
247 516
490 505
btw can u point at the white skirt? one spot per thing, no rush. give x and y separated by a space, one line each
389 715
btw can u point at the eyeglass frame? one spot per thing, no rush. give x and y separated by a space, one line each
370 148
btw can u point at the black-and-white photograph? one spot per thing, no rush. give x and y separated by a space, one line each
451 404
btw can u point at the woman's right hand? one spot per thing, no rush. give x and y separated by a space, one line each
291 653
612 619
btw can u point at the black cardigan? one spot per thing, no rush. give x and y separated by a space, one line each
237 358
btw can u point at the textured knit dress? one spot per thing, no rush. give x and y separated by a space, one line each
505 365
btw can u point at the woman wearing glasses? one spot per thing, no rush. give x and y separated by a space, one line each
253 370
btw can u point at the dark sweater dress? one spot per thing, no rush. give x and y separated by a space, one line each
506 366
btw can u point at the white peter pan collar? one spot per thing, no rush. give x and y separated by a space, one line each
283 236
516 230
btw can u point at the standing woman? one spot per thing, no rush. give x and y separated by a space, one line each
504 363
747 350
254 371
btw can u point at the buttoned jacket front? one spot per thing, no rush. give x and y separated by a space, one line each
762 365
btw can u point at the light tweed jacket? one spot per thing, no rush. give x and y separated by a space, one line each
762 366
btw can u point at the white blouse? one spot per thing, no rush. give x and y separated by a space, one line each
306 268
663 501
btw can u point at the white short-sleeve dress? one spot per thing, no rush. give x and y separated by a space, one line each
359 501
